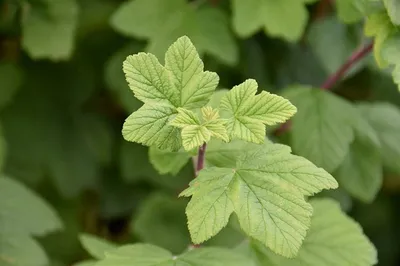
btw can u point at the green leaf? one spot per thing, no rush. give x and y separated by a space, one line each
16 216
149 255
95 246
149 126
135 165
393 9
385 119
249 113
195 133
285 19
359 174
350 11
322 128
221 154
20 250
167 162
162 23
391 54
161 221
378 25
349 38
10 80
86 263
181 83
265 189
48 29
334 239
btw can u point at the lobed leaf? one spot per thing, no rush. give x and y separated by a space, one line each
265 189
334 239
249 113
181 84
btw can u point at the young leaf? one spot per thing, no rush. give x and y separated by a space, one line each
334 239
16 216
181 83
162 23
322 129
149 255
266 190
95 246
195 133
48 28
285 19
250 113
385 119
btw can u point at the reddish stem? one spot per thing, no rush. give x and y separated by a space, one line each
352 60
335 77
201 158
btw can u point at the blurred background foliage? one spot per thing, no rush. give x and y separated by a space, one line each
63 99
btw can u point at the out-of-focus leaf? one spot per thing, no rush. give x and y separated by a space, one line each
115 78
95 246
161 221
163 22
11 79
48 28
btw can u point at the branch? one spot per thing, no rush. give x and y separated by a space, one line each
335 77
345 68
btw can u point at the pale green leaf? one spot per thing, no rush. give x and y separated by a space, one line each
161 23
265 189
385 119
223 154
148 80
194 136
167 162
23 211
334 239
217 129
48 28
393 9
10 80
149 126
361 171
285 18
148 255
181 83
187 76
161 221
185 118
95 246
250 113
20 250
322 128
